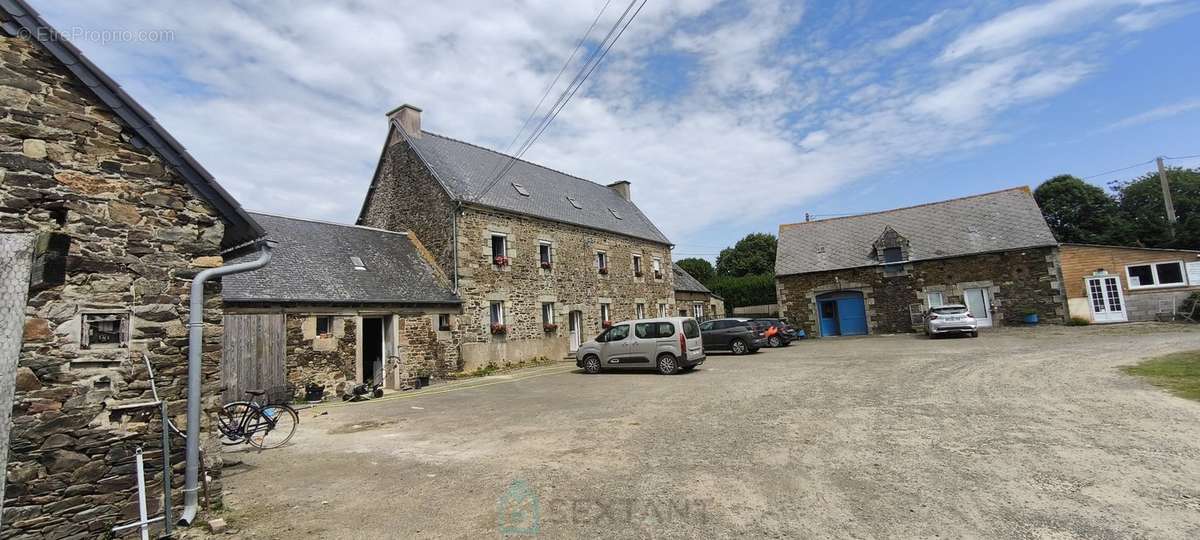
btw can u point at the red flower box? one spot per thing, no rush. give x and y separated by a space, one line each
638 274
545 266
500 261
606 324
499 329
604 270
549 327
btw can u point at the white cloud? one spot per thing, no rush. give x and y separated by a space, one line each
286 106
914 34
1155 114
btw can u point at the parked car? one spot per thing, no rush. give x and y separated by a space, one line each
667 344
950 319
783 334
735 335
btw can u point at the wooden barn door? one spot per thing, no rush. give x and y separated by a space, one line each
254 356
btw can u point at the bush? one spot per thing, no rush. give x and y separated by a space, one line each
1188 303
1078 321
752 290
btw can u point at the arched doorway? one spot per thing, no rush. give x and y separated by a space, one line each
842 313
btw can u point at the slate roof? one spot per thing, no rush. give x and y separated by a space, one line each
240 228
684 282
465 170
998 221
312 265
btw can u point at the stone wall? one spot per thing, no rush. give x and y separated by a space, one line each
1019 281
327 360
406 197
713 307
572 283
137 234
423 349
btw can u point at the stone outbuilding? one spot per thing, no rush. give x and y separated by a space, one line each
541 259
1107 284
118 218
693 299
878 272
340 303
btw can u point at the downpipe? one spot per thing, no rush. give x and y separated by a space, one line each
191 477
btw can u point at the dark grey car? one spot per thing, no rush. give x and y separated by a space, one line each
735 335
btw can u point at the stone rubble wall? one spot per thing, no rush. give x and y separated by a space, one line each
1019 280
325 360
138 234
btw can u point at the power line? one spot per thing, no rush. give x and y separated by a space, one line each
1182 157
1105 173
554 83
585 72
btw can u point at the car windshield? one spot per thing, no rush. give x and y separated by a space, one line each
950 310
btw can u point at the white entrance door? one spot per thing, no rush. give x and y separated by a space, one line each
575 320
979 305
1104 297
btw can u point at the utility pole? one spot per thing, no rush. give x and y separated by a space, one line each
1166 187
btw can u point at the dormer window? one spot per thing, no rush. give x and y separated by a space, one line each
891 250
893 255
574 202
520 189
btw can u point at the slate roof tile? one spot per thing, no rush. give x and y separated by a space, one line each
684 282
312 264
998 221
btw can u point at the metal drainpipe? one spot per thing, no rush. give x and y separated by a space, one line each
191 478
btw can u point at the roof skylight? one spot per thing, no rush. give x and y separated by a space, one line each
574 202
358 263
615 214
520 189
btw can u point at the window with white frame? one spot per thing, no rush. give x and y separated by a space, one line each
104 330
602 262
444 322
544 254
604 313
637 264
662 310
547 313
639 311
697 310
496 312
1161 274
324 325
935 298
656 266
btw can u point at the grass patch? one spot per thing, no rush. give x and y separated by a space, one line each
1179 373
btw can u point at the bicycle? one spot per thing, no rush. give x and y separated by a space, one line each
264 426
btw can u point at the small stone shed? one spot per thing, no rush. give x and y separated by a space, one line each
693 299
878 272
1106 284
339 303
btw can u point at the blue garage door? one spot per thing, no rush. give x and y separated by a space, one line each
842 314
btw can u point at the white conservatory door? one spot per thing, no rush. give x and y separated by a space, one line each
1104 297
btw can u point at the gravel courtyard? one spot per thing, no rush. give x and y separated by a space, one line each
1017 434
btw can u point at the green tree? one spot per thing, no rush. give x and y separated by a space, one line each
752 255
750 290
1079 212
1141 203
699 268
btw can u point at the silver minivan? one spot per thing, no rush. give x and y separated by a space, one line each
667 344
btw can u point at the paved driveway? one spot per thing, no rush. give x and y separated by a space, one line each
1019 433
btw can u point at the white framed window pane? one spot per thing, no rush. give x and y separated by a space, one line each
935 299
1141 275
1170 273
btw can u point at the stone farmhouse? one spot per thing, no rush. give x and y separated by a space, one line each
104 219
541 259
1106 284
693 299
878 272
339 303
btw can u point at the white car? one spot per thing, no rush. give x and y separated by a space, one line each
950 319
666 344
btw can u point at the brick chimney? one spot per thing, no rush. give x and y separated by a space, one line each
409 118
622 189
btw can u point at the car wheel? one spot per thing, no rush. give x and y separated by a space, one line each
738 346
667 365
975 334
591 364
775 342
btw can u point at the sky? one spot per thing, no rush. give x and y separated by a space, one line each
728 117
